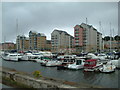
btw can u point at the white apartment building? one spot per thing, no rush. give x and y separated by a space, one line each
61 41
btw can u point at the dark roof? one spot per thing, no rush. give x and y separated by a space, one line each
60 31
8 43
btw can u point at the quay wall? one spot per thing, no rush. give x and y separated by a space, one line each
42 82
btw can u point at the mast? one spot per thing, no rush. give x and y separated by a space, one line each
100 37
69 44
103 39
16 33
88 34
110 37
113 38
4 45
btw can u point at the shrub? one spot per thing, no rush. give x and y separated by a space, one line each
37 74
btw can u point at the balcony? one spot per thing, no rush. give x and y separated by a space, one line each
76 38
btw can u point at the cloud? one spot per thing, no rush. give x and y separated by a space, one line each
44 17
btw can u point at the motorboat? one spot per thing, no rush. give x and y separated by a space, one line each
20 56
36 57
78 64
107 68
44 60
53 63
27 56
68 59
45 53
10 56
102 56
91 56
92 65
115 62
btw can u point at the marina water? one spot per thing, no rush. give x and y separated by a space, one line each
79 76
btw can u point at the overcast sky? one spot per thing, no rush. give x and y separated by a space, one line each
44 17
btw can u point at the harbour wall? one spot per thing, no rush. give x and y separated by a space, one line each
42 82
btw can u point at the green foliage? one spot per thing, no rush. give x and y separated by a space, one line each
37 74
107 38
117 38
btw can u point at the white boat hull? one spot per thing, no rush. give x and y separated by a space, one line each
10 58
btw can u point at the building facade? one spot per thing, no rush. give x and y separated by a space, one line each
22 43
113 45
41 41
48 45
87 38
7 46
61 41
37 41
33 40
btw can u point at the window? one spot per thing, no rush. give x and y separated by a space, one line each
78 62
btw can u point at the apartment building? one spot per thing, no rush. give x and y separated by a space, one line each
87 38
26 45
37 41
22 43
41 41
48 45
114 45
61 41
7 46
33 40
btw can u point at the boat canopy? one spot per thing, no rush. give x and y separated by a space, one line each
90 60
90 63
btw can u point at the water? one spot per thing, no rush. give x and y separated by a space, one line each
99 79
4 86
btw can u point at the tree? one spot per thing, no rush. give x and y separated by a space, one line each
106 38
117 38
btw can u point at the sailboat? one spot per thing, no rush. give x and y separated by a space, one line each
110 66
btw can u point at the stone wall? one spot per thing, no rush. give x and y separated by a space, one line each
42 82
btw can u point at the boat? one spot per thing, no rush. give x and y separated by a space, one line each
78 64
102 56
44 60
10 56
26 56
91 56
115 62
53 63
107 68
36 57
45 53
20 56
92 65
68 59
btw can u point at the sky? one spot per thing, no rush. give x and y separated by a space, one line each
44 17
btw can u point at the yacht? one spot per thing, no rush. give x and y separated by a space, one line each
115 62
53 63
35 57
68 59
27 56
92 65
44 60
78 64
91 56
102 56
107 68
10 56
